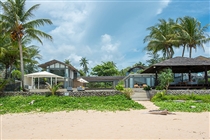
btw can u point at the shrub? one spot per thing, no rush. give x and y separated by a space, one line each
53 88
147 88
120 86
127 92
158 96
165 77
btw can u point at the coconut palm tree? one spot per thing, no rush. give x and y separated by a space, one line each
161 38
84 63
17 21
67 61
191 34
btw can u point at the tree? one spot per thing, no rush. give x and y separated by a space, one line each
165 78
155 58
84 63
31 59
191 34
16 20
67 61
139 64
124 71
161 38
105 69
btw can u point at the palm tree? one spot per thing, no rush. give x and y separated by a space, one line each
16 20
155 58
161 38
84 63
67 61
31 57
191 34
139 64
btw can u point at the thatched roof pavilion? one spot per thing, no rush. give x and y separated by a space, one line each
182 65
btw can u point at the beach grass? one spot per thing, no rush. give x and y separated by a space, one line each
187 106
21 104
182 102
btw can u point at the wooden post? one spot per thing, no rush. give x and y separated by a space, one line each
206 76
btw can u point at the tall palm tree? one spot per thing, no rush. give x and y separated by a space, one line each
191 34
84 63
16 20
31 59
67 61
161 38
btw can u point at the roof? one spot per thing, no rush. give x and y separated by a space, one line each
102 78
56 61
42 74
140 67
181 64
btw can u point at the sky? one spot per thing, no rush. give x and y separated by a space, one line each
110 30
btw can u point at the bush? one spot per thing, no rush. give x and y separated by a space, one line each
120 86
127 92
147 88
158 96
161 96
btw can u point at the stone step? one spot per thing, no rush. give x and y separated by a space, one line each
140 99
141 95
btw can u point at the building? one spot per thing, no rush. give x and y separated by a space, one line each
67 71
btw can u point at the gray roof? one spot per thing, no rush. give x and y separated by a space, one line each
102 78
56 61
181 64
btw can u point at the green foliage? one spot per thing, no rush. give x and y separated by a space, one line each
158 96
16 74
165 78
127 92
159 88
18 104
84 62
147 88
3 83
105 69
201 102
99 85
120 86
183 106
161 96
53 88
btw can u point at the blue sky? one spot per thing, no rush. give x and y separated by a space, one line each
110 30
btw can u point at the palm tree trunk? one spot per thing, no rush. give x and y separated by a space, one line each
183 50
21 62
190 52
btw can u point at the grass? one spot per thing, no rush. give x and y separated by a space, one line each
20 104
168 102
183 106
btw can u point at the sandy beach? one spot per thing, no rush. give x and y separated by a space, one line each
134 124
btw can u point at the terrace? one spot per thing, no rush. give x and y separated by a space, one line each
189 73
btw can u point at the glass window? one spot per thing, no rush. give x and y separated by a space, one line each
56 65
52 66
62 66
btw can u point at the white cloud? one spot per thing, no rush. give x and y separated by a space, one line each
107 45
163 4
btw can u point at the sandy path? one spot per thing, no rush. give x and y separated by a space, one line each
135 124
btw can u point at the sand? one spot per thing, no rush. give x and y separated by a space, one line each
134 124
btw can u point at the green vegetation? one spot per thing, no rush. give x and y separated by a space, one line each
200 102
18 29
165 78
183 106
126 91
53 88
19 104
